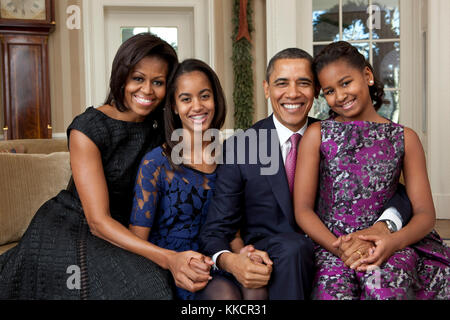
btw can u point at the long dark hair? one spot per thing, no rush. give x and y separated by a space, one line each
172 121
128 56
343 50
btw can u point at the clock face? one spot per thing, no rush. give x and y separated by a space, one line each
23 9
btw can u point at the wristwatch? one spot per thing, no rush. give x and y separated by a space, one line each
390 225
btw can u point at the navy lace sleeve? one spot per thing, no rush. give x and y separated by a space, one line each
147 190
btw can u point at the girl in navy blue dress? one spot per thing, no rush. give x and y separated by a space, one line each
171 198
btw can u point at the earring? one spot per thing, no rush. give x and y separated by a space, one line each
371 82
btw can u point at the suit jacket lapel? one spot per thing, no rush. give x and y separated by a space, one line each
278 181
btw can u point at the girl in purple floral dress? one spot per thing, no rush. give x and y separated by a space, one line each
355 160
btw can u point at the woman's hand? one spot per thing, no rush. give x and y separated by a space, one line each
201 266
352 249
386 246
190 277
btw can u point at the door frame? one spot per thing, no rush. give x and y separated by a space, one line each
94 38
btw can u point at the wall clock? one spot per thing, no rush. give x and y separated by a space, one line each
23 9
26 12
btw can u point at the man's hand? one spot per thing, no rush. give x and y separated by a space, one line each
354 249
256 256
249 273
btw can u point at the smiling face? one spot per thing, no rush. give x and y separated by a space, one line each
145 87
291 91
346 90
194 101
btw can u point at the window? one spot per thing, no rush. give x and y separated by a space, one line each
373 26
128 32
169 34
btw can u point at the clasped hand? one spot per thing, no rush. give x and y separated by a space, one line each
365 248
251 267
190 269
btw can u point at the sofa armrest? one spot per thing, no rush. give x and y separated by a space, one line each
26 182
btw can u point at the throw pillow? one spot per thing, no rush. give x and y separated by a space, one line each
18 149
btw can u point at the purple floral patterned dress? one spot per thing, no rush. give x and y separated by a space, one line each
360 166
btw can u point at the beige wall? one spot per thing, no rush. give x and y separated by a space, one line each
260 63
2 119
223 68
223 47
438 111
66 70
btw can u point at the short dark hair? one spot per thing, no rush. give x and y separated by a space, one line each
171 120
128 56
289 53
342 50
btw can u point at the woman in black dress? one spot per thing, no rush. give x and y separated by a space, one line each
78 245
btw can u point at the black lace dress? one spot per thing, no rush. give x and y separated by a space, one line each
59 258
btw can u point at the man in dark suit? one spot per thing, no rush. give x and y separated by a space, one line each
254 186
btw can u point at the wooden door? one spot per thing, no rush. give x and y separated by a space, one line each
26 92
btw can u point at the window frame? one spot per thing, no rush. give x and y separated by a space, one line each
370 41
413 62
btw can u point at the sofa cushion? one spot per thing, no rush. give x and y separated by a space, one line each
26 182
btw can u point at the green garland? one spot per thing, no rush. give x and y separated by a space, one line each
243 73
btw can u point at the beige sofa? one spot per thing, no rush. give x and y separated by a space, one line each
28 178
